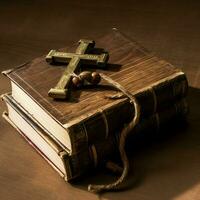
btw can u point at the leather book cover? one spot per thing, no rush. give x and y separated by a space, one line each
152 80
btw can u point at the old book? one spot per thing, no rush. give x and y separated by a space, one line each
93 156
68 166
89 116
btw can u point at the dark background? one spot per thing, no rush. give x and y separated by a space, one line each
168 168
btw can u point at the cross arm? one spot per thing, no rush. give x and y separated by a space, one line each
90 59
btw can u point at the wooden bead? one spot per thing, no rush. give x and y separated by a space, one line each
76 81
86 75
96 78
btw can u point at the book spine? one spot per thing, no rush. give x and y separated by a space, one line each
98 153
157 121
106 122
89 158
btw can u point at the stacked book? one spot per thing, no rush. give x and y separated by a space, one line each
81 134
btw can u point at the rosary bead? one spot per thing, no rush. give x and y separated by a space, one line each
76 81
96 78
86 75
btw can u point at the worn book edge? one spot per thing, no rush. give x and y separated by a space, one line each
7 97
6 117
59 150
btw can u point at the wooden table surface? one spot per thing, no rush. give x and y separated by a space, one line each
165 169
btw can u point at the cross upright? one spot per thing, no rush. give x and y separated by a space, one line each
74 60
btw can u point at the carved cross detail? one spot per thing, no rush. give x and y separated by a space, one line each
74 60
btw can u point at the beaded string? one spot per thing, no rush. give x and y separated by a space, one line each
122 140
95 79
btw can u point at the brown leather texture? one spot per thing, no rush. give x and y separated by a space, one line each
164 168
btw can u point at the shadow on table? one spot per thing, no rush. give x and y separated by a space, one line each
163 165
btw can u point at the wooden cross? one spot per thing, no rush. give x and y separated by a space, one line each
81 56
